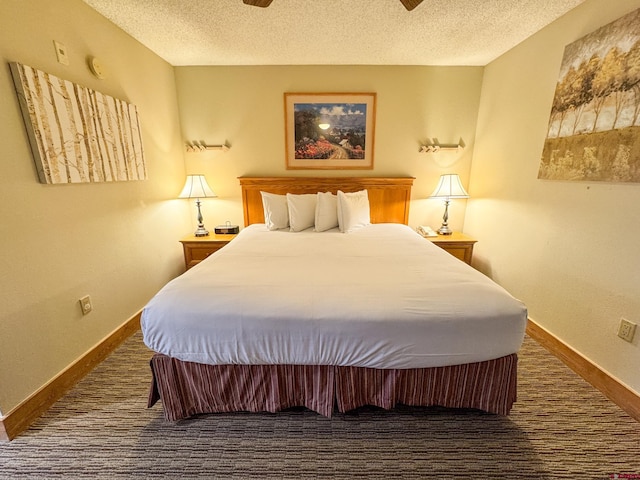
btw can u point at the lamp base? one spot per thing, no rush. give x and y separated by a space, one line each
201 232
444 228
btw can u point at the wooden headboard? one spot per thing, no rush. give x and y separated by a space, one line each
389 197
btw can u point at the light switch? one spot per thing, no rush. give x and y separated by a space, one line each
61 53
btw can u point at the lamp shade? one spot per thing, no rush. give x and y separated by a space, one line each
196 186
449 186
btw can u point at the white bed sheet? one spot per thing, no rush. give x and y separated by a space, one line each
379 297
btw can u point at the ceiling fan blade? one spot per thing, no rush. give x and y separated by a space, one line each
259 3
408 4
411 4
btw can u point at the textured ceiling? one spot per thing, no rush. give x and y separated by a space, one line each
335 32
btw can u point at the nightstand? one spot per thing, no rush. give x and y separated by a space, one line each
457 244
197 249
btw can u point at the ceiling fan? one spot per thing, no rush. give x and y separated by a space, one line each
408 4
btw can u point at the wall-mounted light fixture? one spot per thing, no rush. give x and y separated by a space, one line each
448 187
197 146
433 146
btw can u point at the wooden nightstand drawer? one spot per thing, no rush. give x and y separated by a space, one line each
197 249
199 253
457 244
461 253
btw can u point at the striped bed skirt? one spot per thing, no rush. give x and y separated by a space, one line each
187 388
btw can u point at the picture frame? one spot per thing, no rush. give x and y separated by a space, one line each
329 131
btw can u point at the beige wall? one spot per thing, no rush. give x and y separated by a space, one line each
568 249
115 241
245 106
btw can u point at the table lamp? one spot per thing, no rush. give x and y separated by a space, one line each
197 187
448 187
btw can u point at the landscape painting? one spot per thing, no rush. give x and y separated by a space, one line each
329 130
594 127
77 134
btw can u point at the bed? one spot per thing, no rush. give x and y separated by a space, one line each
331 317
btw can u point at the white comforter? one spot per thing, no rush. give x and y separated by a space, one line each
380 297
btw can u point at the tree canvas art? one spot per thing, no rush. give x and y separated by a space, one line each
77 134
594 127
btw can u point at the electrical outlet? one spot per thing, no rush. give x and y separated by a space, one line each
626 330
85 304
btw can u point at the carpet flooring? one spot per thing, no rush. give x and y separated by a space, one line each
559 428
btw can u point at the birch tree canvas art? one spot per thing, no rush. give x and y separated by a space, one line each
77 134
594 127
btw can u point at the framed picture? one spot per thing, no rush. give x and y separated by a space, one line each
329 131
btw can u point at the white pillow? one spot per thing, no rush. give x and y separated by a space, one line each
302 211
326 211
353 210
276 213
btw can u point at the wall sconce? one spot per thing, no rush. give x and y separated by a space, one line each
197 187
196 146
448 187
433 146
